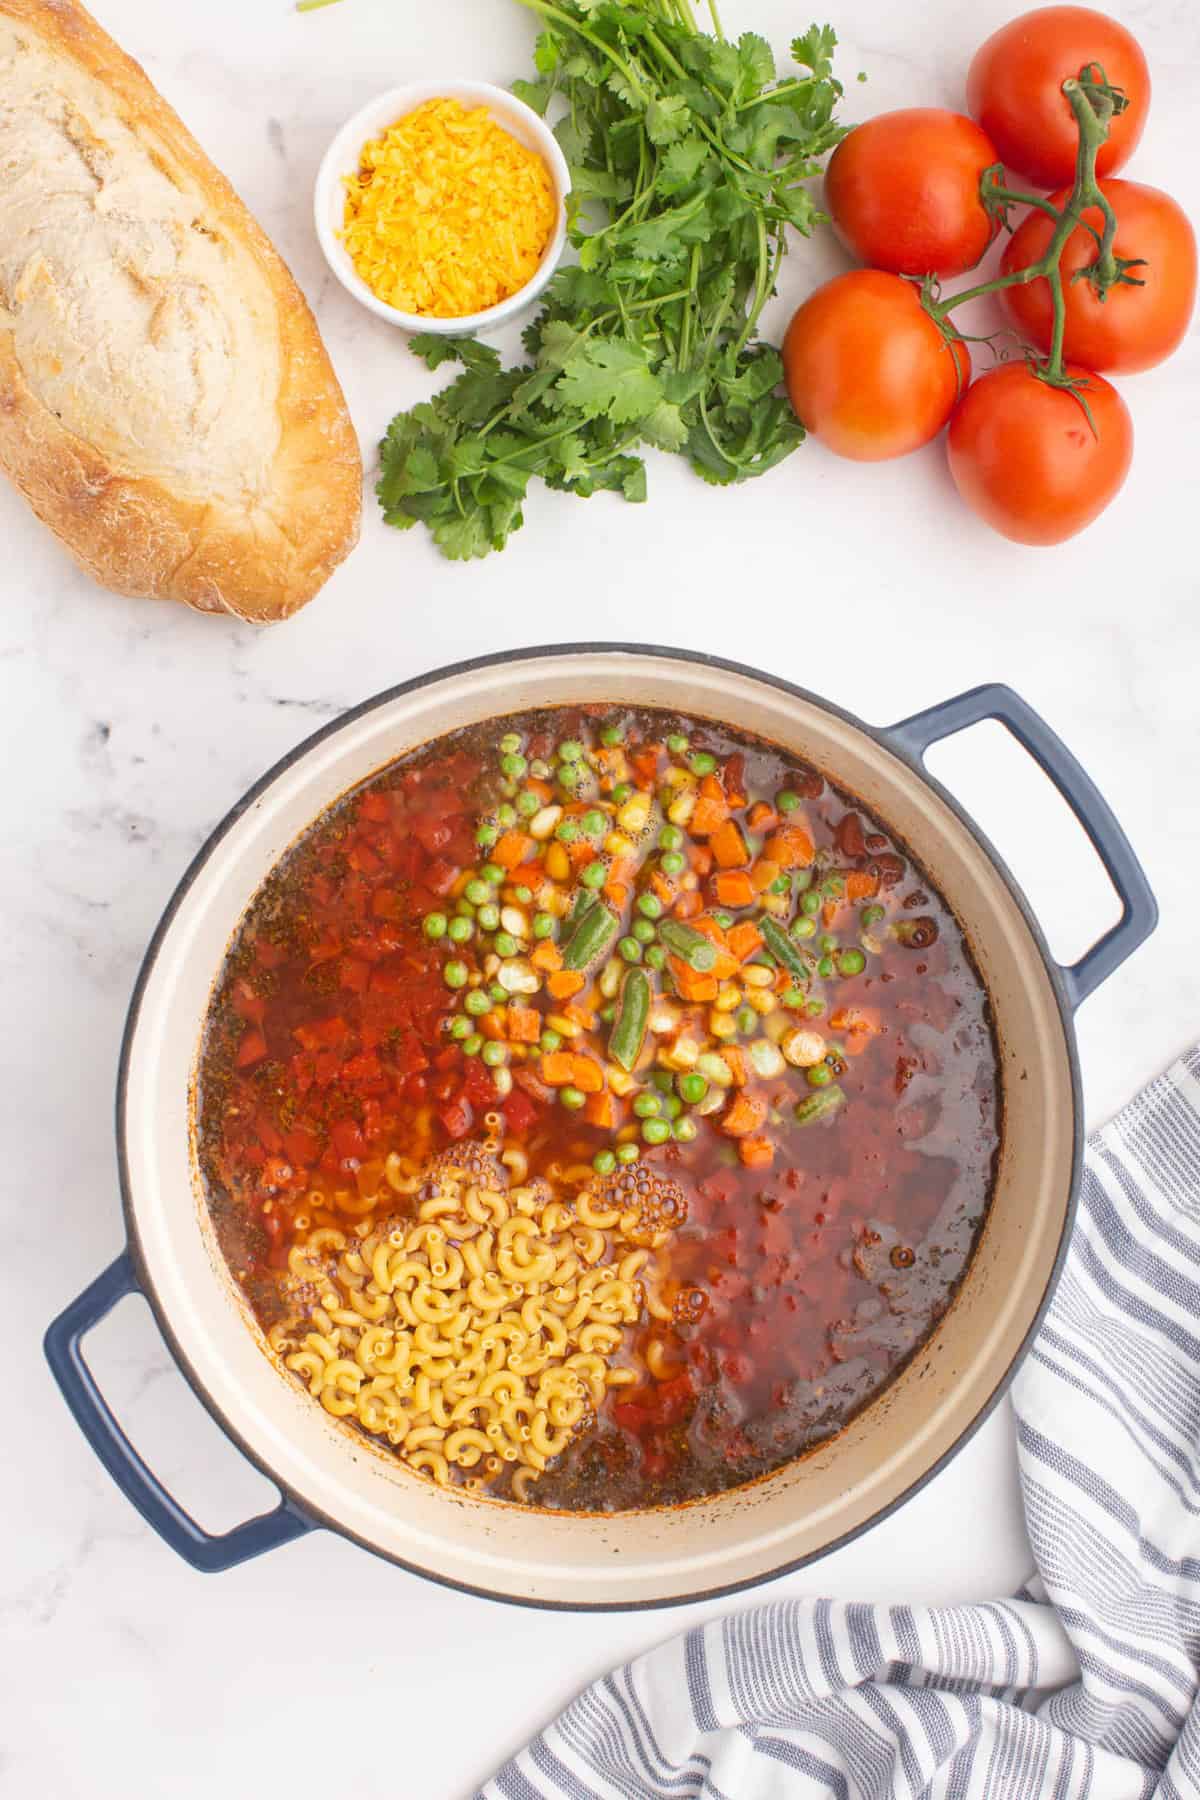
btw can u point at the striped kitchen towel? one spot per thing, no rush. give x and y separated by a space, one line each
1086 1683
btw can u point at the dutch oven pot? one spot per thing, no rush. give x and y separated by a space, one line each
330 1477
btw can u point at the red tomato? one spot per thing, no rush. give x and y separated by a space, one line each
1014 89
1024 457
868 371
1131 327
903 191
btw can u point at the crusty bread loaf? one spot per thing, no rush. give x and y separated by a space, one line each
166 403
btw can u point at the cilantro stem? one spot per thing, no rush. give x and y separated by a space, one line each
715 16
564 19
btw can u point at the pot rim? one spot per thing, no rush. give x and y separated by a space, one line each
881 735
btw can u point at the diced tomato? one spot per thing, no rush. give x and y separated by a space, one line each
441 876
456 1116
322 1034
252 1048
346 1137
432 834
354 974
302 1146
519 1112
268 954
479 1085
375 806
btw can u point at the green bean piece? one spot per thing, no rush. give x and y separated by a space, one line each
690 945
802 879
627 1153
584 902
703 763
477 1003
656 957
434 925
572 1098
604 1162
819 1105
851 962
590 938
692 1088
781 946
656 1131
670 838
647 1106
628 1033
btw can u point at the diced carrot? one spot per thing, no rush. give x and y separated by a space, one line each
711 789
252 1048
616 893
546 956
762 817
556 1068
744 939
855 1042
829 913
662 886
729 847
493 1025
707 926
734 887
645 764
587 1075
542 789
692 986
524 1024
581 853
530 874
564 982
511 850
861 886
764 873
735 1059
688 905
601 1110
744 1115
791 847
701 860
757 1152
707 815
581 1015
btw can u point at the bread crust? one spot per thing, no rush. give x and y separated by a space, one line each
261 558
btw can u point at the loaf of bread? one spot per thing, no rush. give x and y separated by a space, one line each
166 403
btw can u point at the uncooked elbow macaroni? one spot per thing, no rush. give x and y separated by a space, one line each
477 1337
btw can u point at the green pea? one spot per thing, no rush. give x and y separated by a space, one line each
513 766
550 1041
804 927
507 815
543 925
498 994
570 751
644 931
814 1008
464 909
627 1153
611 736
723 919
650 906
793 997
647 1106
569 776
692 1088
608 1013
786 801
492 873
702 763
685 1131
460 1027
825 967
477 891
434 925
621 793
672 1107
828 944
672 862
656 957
595 875
477 1003
522 894
833 887
506 945
540 769
510 742
663 1080
494 1054
820 1075
593 823
782 884
811 903
677 743
566 831
486 836
870 915
630 949
656 1131
802 879
746 1019
604 1162
851 962
472 1045
528 804
460 931
670 838
456 974
572 1098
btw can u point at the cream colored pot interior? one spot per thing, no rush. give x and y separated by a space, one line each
632 1558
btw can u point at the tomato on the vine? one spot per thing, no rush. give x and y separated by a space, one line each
1025 456
903 191
1014 90
1134 324
868 370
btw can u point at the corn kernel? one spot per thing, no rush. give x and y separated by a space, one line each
619 1080
610 979
721 1024
635 814
757 975
565 1027
680 811
763 1001
558 863
681 1055
617 844
728 999
803 1049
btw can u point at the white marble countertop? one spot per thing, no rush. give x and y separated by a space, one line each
129 730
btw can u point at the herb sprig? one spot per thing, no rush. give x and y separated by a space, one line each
689 160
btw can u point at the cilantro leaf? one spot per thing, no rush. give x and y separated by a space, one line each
610 377
815 50
667 119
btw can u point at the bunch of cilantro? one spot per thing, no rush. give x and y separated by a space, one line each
688 162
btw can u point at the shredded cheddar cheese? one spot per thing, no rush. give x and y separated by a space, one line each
448 214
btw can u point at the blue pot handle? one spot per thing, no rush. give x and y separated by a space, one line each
205 1551
1139 910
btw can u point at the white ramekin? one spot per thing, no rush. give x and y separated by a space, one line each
342 159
